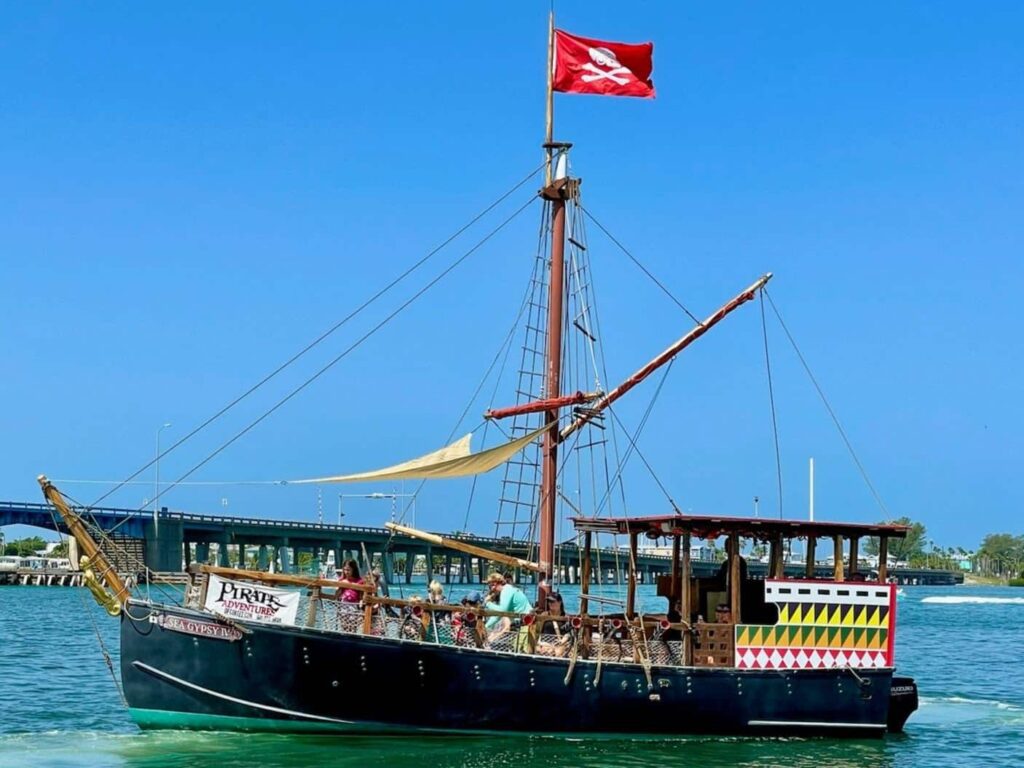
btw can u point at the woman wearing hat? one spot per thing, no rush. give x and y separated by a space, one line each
506 598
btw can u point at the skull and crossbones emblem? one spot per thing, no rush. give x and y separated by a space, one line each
605 66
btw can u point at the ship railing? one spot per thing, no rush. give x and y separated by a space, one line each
644 639
652 639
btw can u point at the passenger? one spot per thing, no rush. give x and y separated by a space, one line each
553 626
435 593
471 603
350 572
556 607
435 596
724 569
506 598
723 614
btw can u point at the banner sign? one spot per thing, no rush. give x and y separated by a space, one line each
251 602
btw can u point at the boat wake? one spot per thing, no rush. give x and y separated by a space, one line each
954 711
947 700
967 599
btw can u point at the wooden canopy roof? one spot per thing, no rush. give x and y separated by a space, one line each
710 527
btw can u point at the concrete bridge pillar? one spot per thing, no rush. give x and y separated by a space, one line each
284 553
387 566
163 544
447 569
222 553
202 552
263 558
430 564
410 563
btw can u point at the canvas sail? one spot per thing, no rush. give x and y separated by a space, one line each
454 460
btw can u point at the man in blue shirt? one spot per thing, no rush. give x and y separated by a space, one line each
507 598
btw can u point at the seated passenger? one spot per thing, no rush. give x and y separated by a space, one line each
506 598
553 626
723 614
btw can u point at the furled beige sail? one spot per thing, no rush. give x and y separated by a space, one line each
453 460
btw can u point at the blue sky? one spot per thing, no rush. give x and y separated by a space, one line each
189 194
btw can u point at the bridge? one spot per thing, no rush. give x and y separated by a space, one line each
170 541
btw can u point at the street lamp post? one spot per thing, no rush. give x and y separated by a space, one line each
156 486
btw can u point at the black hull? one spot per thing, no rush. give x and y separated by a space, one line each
298 680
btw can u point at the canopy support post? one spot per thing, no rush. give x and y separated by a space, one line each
734 578
684 601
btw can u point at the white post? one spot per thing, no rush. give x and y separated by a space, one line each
156 487
811 496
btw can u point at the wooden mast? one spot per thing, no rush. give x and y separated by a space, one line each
554 191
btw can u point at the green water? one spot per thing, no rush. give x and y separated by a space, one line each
59 707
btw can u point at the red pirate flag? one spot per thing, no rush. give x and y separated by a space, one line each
583 65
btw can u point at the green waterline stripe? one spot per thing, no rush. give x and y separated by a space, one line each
162 718
165 719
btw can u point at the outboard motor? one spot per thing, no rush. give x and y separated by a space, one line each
902 702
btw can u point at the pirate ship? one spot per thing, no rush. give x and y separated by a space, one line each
812 654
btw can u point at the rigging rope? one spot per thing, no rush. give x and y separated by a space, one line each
771 399
643 269
325 334
505 348
444 273
828 407
633 446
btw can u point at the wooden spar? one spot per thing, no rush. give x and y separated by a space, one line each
667 355
100 565
883 558
284 578
546 404
461 546
854 556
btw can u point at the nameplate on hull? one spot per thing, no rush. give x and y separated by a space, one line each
198 628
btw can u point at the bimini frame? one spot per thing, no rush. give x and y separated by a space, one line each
681 529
